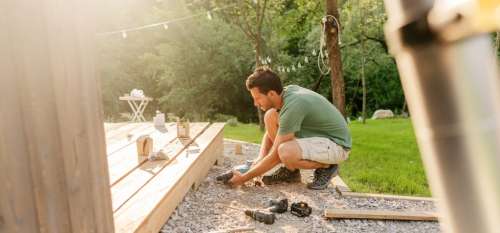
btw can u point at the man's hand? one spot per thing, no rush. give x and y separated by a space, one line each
237 179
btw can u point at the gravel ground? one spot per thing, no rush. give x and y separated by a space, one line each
203 210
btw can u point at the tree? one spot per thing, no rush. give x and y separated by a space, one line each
332 28
249 17
363 59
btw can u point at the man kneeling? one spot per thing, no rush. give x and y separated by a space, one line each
303 131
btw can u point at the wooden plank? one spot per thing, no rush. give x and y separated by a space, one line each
109 126
340 186
117 144
124 134
148 209
121 131
381 215
125 160
386 196
125 188
58 125
17 203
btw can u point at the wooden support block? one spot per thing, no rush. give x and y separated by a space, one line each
144 145
238 149
386 196
380 215
151 206
340 186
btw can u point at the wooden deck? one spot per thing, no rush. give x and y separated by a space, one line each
145 193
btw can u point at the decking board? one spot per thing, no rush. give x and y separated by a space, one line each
149 208
135 180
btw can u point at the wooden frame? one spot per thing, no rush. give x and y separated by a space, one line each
345 191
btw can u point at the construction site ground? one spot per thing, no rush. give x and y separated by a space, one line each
203 210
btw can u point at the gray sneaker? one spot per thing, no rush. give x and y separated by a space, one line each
323 176
282 175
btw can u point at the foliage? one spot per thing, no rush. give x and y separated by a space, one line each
198 66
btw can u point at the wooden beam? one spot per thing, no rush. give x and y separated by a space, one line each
380 214
52 154
148 209
386 196
109 126
121 132
339 184
125 188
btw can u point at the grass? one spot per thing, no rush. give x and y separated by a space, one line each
384 157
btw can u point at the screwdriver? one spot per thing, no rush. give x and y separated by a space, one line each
267 218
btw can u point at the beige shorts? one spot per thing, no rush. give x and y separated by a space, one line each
322 150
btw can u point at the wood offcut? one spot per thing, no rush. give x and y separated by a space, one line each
380 215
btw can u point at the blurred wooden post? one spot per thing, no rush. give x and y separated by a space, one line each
53 168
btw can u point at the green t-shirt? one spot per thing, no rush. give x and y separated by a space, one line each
309 114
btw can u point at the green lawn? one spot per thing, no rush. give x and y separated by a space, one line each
384 157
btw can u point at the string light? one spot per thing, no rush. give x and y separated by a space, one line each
124 34
165 26
306 59
162 24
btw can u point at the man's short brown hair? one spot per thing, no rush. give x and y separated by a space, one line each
266 80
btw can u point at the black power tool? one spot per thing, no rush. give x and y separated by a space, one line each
279 206
300 209
267 218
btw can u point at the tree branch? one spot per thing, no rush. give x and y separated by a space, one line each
380 41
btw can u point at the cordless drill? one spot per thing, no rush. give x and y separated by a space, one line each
267 218
225 177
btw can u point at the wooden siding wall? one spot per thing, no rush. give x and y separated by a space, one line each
53 169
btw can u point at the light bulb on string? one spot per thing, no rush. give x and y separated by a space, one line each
314 52
306 59
268 60
299 65
124 34
165 26
209 15
288 70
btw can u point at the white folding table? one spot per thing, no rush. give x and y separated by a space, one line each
137 104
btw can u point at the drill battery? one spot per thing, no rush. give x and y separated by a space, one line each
300 209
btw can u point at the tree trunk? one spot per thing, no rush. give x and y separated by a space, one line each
363 59
498 43
257 64
334 58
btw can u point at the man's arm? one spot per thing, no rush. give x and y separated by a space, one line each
265 148
265 164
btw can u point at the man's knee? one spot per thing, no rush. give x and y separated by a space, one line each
288 153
